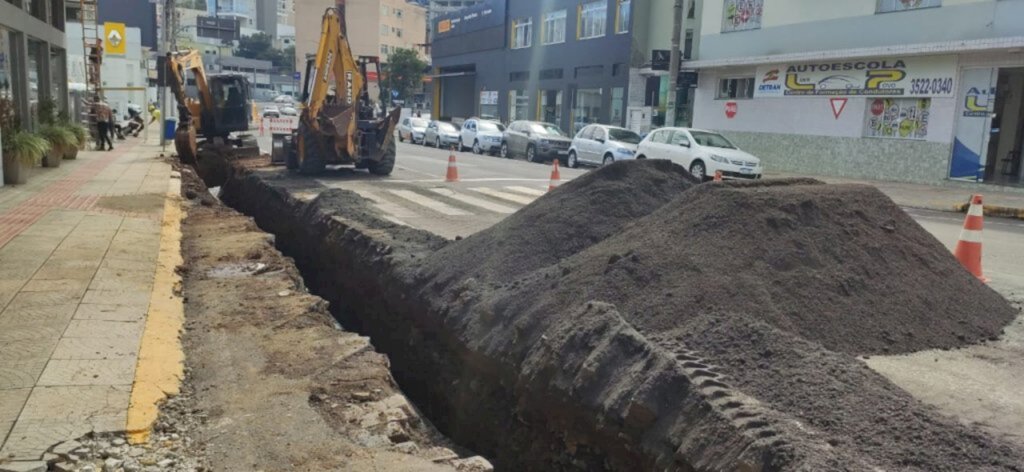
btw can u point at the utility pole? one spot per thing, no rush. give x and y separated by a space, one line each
674 60
165 45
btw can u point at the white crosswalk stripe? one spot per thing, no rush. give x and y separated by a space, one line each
392 209
527 190
470 200
425 201
521 199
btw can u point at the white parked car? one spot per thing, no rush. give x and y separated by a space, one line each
289 111
412 128
602 145
702 152
271 112
482 135
283 99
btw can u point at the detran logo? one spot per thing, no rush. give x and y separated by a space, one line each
770 76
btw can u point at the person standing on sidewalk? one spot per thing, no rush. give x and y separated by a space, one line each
104 125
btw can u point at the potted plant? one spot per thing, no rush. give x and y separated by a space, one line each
81 139
21 150
60 138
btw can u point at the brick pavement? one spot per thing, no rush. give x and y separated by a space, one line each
76 276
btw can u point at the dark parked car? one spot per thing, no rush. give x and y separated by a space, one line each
536 140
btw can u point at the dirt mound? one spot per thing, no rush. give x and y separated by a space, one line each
563 222
774 284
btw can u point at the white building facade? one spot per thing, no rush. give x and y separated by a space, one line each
906 90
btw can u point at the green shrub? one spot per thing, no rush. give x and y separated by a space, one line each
26 147
80 132
58 136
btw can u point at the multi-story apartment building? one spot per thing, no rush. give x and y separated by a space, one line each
375 28
567 62
909 90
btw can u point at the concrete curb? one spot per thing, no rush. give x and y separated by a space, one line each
161 365
994 210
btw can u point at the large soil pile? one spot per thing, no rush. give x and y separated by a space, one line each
565 221
774 284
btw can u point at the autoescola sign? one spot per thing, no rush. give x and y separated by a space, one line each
893 77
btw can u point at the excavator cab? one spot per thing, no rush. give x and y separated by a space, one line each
232 110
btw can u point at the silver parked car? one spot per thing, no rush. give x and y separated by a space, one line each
482 135
441 134
412 129
602 145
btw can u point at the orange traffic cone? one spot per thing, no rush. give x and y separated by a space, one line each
453 170
556 178
968 248
718 176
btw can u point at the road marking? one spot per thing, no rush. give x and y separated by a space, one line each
423 200
479 202
504 195
427 174
527 190
393 209
486 179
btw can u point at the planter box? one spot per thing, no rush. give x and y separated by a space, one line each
14 171
53 158
71 153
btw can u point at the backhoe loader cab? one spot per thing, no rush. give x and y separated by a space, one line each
338 125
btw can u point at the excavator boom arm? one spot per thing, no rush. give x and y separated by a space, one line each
181 61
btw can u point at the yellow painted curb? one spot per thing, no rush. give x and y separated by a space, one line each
161 359
994 210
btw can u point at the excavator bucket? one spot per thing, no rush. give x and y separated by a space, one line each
185 144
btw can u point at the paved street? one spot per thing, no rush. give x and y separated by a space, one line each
78 254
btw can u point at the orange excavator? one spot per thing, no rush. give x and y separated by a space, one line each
338 124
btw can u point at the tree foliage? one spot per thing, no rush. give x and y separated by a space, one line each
404 73
261 46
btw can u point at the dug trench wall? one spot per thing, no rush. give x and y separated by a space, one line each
570 382
596 397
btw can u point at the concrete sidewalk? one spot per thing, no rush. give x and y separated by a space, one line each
78 254
948 196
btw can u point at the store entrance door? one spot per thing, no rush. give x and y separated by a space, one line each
1006 138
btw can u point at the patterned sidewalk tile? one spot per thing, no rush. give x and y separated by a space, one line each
75 286
30 299
10 333
20 374
88 372
95 349
75 403
27 349
11 402
91 311
28 440
104 329
118 297
67 270
55 315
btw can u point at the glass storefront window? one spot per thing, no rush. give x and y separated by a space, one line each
58 80
518 103
37 8
36 79
551 106
587 108
618 105
6 81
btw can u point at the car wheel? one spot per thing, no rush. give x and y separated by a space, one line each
460 147
476 147
531 153
698 170
504 151
608 159
437 142
401 138
571 161
641 157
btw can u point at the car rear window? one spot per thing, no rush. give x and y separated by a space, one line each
623 136
488 126
546 129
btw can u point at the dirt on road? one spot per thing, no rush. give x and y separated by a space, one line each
279 385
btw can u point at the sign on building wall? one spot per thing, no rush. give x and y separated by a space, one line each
902 118
115 41
973 124
931 76
489 97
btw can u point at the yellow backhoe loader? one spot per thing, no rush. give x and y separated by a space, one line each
340 127
223 106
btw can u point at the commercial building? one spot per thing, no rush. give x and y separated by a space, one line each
124 73
436 8
562 61
33 58
907 90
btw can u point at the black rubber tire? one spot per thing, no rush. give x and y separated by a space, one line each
703 170
608 159
437 142
641 157
504 152
572 161
476 147
401 139
311 165
387 163
531 153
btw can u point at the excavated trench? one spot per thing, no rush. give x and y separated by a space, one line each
574 385
525 406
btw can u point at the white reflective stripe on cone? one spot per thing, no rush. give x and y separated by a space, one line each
970 236
976 210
